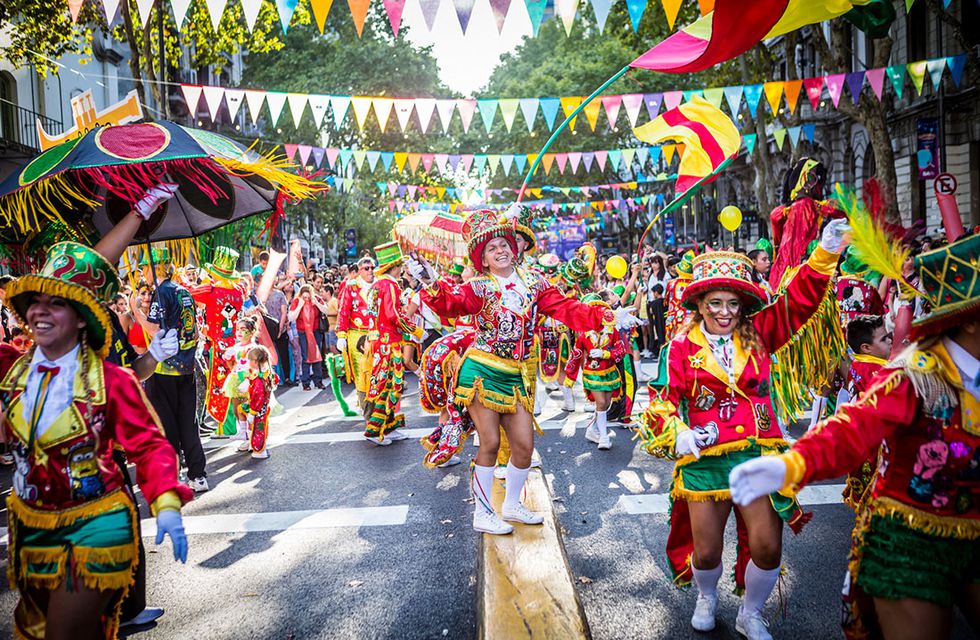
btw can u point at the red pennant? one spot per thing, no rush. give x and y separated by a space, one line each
394 9
814 87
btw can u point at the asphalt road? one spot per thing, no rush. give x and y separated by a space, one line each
333 537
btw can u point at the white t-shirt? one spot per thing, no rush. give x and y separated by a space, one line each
513 291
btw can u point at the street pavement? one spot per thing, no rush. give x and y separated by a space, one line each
334 537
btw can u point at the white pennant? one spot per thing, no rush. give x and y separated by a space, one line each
424 107
254 100
144 7
111 7
276 101
251 10
216 8
192 95
403 111
297 104
234 98
180 8
382 110
213 96
318 104
339 104
445 109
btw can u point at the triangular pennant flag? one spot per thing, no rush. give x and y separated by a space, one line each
779 135
318 105
535 11
671 100
276 101
615 157
254 100
642 154
297 105
192 95
286 9
611 104
855 82
320 10
632 103
549 109
413 162
427 159
430 8
488 111
442 163
566 11
345 156
561 159
669 152
464 9
628 155
234 99
400 158
671 7
506 162
733 95
936 68
601 9
144 7
445 110
403 111
179 7
587 158
318 153
753 94
359 157
493 160
574 159
791 89
917 71
749 140
591 112
809 130
500 9
956 65
636 9
359 11
361 106
569 104
251 9
897 76
547 160
478 161
774 94
467 107
814 89
339 105
290 150
454 162
215 9
794 135
382 110
600 159
74 8
212 97
394 9
529 108
520 161
304 154
508 109
714 96
372 158
690 94
424 108
876 80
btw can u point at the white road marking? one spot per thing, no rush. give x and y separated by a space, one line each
344 436
660 502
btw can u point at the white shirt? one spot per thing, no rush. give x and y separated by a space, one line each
723 348
60 389
966 364
513 291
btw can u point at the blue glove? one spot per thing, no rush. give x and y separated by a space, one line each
169 522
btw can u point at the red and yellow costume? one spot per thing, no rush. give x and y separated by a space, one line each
598 374
438 367
553 348
257 407
353 323
859 375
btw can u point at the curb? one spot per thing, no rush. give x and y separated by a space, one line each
525 586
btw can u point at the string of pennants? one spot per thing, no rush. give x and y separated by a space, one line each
429 192
539 207
423 111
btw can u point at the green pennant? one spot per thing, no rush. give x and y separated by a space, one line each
896 74
779 135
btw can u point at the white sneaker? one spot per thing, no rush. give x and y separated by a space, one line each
241 433
261 455
520 513
198 485
592 433
490 522
395 435
452 462
244 446
704 613
568 407
535 463
646 353
752 625
604 443
378 441
500 473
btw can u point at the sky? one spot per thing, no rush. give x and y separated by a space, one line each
466 62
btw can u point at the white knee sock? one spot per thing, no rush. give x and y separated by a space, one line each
707 580
600 423
482 486
516 477
759 583
566 394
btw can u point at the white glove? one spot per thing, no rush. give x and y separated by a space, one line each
832 240
164 345
250 419
512 213
341 344
690 442
625 318
422 270
596 353
154 198
756 478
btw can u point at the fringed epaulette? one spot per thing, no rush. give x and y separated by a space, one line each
930 380
808 360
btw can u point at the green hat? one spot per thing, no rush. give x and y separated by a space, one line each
591 298
389 255
521 217
949 278
223 267
456 269
684 267
575 272
160 256
764 244
619 290
79 275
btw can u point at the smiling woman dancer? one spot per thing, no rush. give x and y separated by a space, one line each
497 372
720 371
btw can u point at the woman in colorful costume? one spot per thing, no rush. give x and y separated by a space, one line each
720 369
437 381
916 546
497 372
71 521
222 300
353 320
389 330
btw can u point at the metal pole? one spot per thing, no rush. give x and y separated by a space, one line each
941 102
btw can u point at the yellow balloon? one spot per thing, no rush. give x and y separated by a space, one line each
616 267
730 217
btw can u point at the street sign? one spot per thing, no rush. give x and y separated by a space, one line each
945 184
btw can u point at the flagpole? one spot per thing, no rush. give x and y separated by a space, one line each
547 145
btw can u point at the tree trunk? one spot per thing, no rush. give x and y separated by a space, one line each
760 160
135 64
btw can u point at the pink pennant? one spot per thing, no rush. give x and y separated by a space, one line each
574 158
876 80
75 7
304 153
612 104
500 9
600 157
394 9
467 107
427 159
814 88
332 154
672 99
835 87
290 151
466 161
562 160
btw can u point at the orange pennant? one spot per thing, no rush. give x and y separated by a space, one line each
413 161
792 90
774 93
359 11
706 6
320 10
75 7
547 161
592 112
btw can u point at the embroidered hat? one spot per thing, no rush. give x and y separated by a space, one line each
223 266
456 269
389 255
724 270
949 280
684 266
479 228
79 275
520 216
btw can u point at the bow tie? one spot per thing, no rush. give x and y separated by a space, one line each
510 286
43 368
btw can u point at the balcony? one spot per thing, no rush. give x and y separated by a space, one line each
18 129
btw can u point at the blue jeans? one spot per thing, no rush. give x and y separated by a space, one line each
315 368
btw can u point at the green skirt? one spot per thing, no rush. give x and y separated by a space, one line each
498 384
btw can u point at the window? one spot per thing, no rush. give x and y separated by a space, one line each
917 34
8 101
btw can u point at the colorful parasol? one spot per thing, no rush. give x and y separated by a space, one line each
92 182
437 235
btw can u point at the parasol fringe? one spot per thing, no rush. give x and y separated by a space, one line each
29 209
273 167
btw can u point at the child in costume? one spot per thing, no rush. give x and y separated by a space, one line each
437 381
353 319
71 520
597 353
916 546
720 370
259 384
236 359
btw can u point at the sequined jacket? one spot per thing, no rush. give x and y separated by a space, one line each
352 308
386 317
